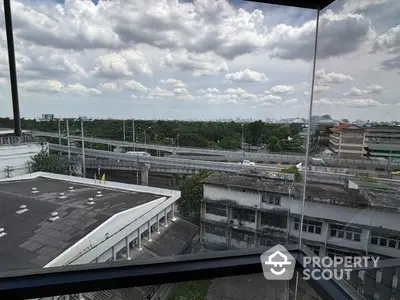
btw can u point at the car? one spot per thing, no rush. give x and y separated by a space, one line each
247 163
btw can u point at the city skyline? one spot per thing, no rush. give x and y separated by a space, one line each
203 60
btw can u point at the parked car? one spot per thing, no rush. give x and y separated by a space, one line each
247 163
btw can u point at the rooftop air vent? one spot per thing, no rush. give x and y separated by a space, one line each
99 194
22 209
34 190
53 216
2 233
90 201
71 189
62 196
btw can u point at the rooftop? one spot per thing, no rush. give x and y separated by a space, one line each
249 182
31 240
375 194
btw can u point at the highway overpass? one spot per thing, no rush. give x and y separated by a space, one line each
224 155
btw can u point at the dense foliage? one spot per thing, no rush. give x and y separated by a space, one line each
293 170
191 195
223 135
45 162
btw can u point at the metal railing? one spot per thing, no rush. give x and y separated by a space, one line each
229 155
15 140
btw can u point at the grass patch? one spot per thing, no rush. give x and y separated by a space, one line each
190 290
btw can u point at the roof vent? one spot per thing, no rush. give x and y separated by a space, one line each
90 201
2 233
53 216
71 189
62 196
34 190
99 194
22 209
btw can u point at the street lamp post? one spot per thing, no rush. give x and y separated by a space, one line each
123 128
177 140
243 137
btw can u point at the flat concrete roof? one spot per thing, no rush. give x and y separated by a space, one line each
249 182
33 241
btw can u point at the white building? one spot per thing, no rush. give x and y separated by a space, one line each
15 153
70 220
242 211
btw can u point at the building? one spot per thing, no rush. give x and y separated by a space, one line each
360 218
51 220
354 141
16 152
347 141
47 117
383 142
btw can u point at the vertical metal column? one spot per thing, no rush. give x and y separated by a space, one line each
123 128
83 151
13 69
68 143
309 130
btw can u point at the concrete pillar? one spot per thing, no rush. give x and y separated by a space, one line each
144 174
158 225
256 227
139 239
369 284
149 230
385 287
128 250
173 211
114 254
166 217
174 181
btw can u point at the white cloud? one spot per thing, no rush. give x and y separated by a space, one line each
246 76
55 86
372 89
134 85
199 64
290 42
123 84
174 82
389 41
360 5
281 89
322 78
291 102
359 102
121 64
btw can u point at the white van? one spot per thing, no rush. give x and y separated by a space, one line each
138 153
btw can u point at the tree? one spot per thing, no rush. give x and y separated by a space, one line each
192 194
293 170
45 162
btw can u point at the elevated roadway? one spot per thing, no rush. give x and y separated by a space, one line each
225 155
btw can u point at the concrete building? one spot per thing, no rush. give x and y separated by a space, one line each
15 153
347 141
383 142
47 117
51 220
350 140
242 211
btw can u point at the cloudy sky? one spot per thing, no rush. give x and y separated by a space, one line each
202 59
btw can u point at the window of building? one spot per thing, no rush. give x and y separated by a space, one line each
314 248
241 236
212 229
273 220
215 209
308 225
244 215
267 242
332 252
343 232
385 239
271 199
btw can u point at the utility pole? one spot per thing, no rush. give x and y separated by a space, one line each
68 143
133 133
177 140
13 69
59 134
123 128
83 150
243 137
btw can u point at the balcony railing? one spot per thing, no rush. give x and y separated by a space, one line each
16 140
76 279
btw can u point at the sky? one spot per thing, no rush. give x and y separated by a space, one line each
202 59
